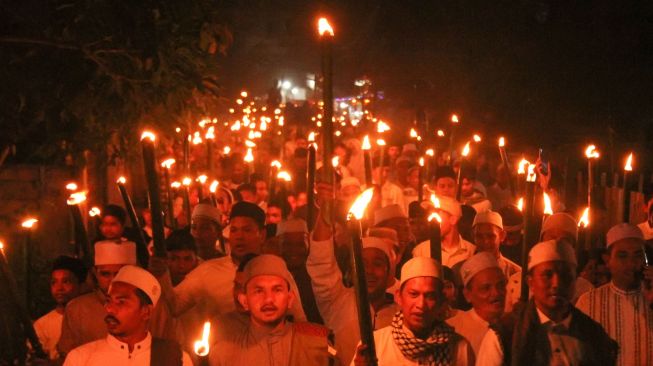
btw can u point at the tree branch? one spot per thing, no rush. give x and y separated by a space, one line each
40 42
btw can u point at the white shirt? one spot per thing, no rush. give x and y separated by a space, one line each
450 257
48 329
471 326
110 351
391 194
336 303
389 354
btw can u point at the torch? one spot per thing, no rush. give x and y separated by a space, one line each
381 143
628 167
209 137
285 177
454 124
248 159
326 43
186 156
310 184
201 181
548 209
367 159
28 225
506 164
435 237
591 153
186 192
583 237
212 190
141 243
167 165
149 162
521 172
529 228
95 214
429 165
202 347
420 180
275 165
356 214
459 182
82 245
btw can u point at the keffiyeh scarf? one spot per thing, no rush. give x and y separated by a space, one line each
436 350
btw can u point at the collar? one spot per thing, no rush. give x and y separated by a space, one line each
547 322
463 246
472 312
621 292
259 333
141 346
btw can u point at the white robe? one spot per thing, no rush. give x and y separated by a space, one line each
471 326
48 329
464 250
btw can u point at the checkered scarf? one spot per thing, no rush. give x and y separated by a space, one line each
436 350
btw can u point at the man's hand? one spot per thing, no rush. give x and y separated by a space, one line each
325 193
158 266
544 179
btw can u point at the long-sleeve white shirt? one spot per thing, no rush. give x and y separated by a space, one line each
450 257
471 326
48 329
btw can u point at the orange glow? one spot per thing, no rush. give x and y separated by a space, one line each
502 142
531 177
121 180
249 157
435 201
381 127
629 163
380 142
243 94
210 133
359 206
311 137
197 139
29 223
477 138
584 220
276 163
520 204
94 212
186 181
284 175
430 152
591 152
76 198
175 185
548 210
214 186
201 347
421 162
71 186
202 179
522 166
323 27
413 133
440 133
335 161
226 150
168 163
148 135
366 143
466 150
454 118
435 216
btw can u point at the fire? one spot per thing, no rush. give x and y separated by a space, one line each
284 175
249 157
522 166
29 223
435 216
197 139
201 347
466 150
186 181
94 212
380 142
435 201
175 185
357 210
454 118
2 247
591 152
202 179
148 135
76 198
366 143
548 210
440 133
381 127
250 144
629 163
168 163
413 133
210 133
226 150
520 204
323 27
584 220
335 161
71 186
121 180
214 186
502 142
531 177
276 164
243 94
311 137
421 161
477 138
430 152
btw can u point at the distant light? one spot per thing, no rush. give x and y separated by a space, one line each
286 85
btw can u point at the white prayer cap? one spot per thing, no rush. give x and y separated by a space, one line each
349 181
551 250
488 217
207 211
112 252
623 231
292 226
419 267
477 263
388 212
451 206
382 245
480 188
562 221
267 264
141 279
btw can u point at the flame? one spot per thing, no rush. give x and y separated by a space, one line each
250 144
284 175
226 150
548 210
531 177
440 133
357 210
2 247
323 26
430 152
591 152
584 220
380 142
520 204
435 216
413 133
243 94
466 150
522 166
210 133
249 157
311 137
276 164
214 186
381 127
175 185
76 198
94 211
71 186
335 161
435 201
197 139
366 143
502 142
29 223
203 123
236 126
421 161
202 179
168 163
177 129
629 163
201 347
148 135
477 138
121 180
454 118
186 181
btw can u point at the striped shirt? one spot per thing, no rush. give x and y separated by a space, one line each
626 317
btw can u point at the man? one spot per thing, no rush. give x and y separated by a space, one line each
276 211
350 188
212 281
262 193
485 288
247 192
393 217
82 321
270 338
454 248
112 227
499 193
132 296
513 222
445 182
549 330
206 228
182 254
488 235
66 278
620 306
417 336
337 303
391 194
647 226
473 192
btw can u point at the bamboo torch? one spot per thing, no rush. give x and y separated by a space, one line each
583 225
529 228
628 167
420 180
356 214
152 177
185 182
213 188
326 43
367 159
506 164
28 225
454 124
167 165
435 237
459 182
141 243
209 137
591 153
82 245
275 166
202 347
310 183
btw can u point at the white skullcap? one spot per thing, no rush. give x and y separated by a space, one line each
551 250
480 188
292 226
488 217
267 264
562 221
207 211
111 252
349 181
419 267
477 263
451 206
141 279
388 212
623 231
382 245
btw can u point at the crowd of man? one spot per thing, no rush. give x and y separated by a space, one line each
279 293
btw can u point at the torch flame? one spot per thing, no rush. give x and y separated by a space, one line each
311 137
629 163
522 166
502 142
531 177
121 180
520 204
435 201
323 27
249 157
466 149
148 135
29 223
357 210
276 164
381 127
210 133
226 150
548 210
71 186
2 247
335 161
197 139
366 143
175 185
284 175
214 186
202 346
440 133
584 220
186 181
421 161
380 142
454 118
591 152
413 133
94 211
168 163
250 144
430 152
477 138
76 198
202 178
435 216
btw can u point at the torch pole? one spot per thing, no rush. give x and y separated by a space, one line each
459 181
367 159
626 216
310 187
528 240
153 188
82 244
435 240
141 244
170 203
326 43
506 164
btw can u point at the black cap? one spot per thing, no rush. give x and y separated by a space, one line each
180 240
415 210
115 211
71 264
445 172
248 209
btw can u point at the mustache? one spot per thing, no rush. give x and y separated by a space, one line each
111 318
269 307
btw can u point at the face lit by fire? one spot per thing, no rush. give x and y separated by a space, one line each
267 298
